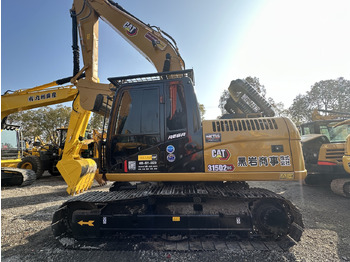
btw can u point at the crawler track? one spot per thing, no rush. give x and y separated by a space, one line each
11 176
341 186
209 243
214 216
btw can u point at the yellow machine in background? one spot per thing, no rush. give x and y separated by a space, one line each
11 155
346 157
47 156
19 100
341 186
324 148
39 96
11 147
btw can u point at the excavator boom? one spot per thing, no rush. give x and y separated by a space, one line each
149 41
39 96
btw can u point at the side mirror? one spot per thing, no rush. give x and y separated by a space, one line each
101 105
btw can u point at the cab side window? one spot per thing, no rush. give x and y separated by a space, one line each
176 109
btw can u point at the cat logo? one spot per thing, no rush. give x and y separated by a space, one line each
130 29
221 154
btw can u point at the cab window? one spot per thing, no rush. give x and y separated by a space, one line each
176 110
138 112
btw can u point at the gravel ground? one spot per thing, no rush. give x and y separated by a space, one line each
26 215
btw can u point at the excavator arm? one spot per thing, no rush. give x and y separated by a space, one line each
79 173
151 42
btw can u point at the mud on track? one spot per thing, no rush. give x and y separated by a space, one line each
26 215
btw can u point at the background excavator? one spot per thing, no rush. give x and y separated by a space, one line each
341 186
11 155
14 164
346 157
15 159
324 148
173 174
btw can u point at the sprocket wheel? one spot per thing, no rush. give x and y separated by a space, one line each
271 218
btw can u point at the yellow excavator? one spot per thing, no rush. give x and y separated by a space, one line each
346 157
324 148
341 186
174 175
14 164
15 161
11 155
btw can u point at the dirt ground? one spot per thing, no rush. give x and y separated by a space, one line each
26 215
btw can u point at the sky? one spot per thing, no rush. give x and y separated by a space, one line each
288 45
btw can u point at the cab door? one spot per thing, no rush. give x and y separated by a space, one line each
134 138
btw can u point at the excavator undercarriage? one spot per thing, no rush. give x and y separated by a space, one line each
174 211
11 176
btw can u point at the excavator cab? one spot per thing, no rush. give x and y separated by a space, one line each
11 147
11 153
154 120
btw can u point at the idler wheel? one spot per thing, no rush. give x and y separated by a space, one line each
271 218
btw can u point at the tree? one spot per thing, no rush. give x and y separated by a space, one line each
42 122
222 101
332 95
299 111
202 111
96 122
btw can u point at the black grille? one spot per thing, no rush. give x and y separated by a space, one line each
336 154
244 125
